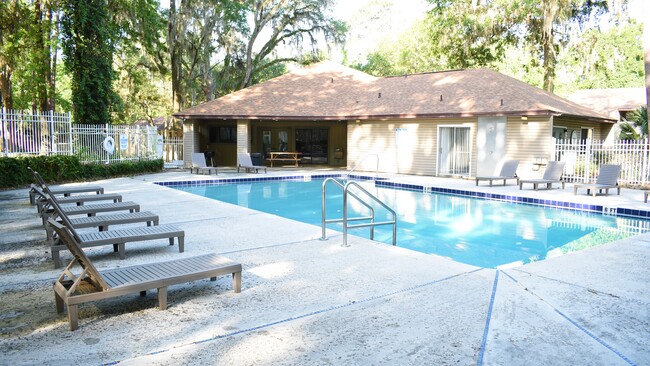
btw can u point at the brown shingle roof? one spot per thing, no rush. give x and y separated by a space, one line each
610 101
329 91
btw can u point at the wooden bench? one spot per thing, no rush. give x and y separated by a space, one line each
72 289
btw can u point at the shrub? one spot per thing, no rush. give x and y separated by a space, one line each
61 169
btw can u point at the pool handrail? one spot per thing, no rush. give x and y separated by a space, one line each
324 220
346 192
371 224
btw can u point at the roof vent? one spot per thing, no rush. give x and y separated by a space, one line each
379 95
332 80
502 102
441 97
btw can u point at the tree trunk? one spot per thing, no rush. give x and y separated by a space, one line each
52 47
41 57
5 87
259 21
549 63
175 54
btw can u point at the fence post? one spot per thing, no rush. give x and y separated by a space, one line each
108 156
588 159
644 172
52 127
70 133
137 141
4 132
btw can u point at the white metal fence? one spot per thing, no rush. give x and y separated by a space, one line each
173 149
32 133
50 133
582 159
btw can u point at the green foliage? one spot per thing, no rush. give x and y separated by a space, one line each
639 117
408 53
468 34
88 52
603 59
140 60
628 132
13 47
378 64
61 169
557 42
144 96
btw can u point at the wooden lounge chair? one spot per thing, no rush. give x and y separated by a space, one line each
72 289
65 191
607 178
41 201
117 238
552 174
92 210
198 163
508 171
103 222
246 163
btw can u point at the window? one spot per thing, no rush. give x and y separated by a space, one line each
224 135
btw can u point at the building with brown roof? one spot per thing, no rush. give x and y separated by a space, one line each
459 123
615 102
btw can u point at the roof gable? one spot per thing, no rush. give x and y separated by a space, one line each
329 91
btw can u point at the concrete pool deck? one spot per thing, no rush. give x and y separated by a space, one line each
311 302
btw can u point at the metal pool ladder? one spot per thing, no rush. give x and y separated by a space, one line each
345 220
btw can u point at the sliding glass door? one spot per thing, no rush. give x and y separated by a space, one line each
454 150
313 144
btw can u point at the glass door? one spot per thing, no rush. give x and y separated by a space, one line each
454 150
266 143
313 144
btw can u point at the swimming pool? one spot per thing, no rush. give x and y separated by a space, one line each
475 231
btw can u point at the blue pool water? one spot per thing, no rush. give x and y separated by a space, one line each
474 231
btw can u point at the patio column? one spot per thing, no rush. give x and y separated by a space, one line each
190 141
243 136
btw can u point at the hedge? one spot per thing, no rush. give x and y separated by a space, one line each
62 169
